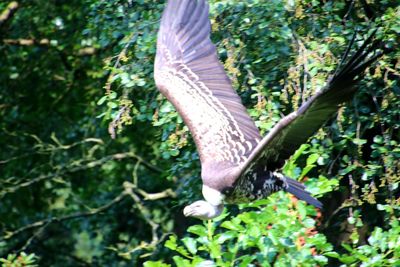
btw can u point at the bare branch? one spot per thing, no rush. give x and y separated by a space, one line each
86 51
47 148
128 191
155 196
44 223
28 42
80 167
146 214
36 235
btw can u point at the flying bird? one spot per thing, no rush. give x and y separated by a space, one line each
237 164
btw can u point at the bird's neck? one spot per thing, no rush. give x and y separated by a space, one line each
215 211
213 196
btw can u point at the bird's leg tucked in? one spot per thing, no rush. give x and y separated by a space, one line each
209 209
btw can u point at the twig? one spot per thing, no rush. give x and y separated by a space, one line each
42 147
336 211
86 51
124 110
8 13
88 165
345 17
155 196
129 189
331 165
121 55
379 115
44 223
353 194
146 214
17 157
38 233
135 173
29 42
358 126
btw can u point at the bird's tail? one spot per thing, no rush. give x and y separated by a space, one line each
299 190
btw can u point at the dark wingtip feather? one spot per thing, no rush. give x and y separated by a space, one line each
298 190
352 68
341 87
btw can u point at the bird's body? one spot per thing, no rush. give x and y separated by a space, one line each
237 165
255 186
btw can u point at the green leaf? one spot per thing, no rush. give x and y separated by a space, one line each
306 170
198 229
181 262
190 244
232 226
312 159
299 152
228 235
359 142
347 247
112 105
102 100
155 264
332 254
347 259
171 243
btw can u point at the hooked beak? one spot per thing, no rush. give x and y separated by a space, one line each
188 211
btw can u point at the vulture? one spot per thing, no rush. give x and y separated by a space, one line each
237 164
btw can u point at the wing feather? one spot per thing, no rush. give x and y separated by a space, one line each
188 73
295 129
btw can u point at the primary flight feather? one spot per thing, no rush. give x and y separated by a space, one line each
237 165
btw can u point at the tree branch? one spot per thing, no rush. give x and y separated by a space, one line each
155 196
147 216
86 51
83 166
28 42
46 222
129 189
8 13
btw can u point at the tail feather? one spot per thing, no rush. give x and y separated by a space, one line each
299 190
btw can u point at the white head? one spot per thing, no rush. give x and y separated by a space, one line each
209 209
203 210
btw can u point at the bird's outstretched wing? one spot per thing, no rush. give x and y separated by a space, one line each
188 73
294 129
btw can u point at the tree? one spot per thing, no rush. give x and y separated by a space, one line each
74 74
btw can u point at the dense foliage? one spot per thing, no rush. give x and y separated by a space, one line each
96 166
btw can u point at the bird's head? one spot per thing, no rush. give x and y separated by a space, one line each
203 210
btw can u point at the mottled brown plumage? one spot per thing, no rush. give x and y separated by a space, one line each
236 165
188 72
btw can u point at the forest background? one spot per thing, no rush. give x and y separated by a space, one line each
96 166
